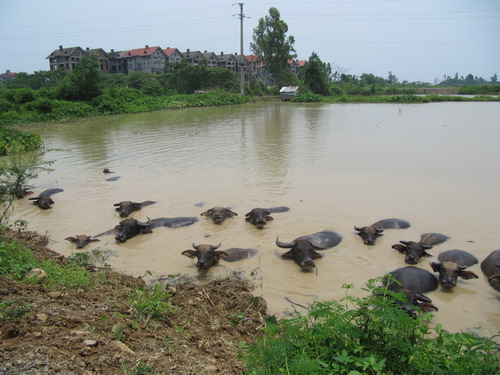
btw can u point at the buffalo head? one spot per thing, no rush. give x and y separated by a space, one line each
413 250
206 254
302 252
369 233
81 240
258 217
219 214
42 201
449 272
125 208
129 228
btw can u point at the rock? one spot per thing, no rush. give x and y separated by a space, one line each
55 294
42 317
36 272
90 343
124 348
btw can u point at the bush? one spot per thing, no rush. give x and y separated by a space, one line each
375 336
15 259
306 97
26 141
41 105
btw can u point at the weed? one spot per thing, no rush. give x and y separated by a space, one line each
140 367
15 259
151 304
118 332
12 310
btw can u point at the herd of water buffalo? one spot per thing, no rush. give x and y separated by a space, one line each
410 280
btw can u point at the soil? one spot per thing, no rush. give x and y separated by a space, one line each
94 331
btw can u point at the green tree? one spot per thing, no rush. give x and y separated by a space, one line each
37 80
494 79
83 83
392 79
273 46
316 76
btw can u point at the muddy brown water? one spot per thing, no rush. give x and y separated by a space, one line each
334 165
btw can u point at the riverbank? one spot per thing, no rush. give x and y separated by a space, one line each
49 329
20 108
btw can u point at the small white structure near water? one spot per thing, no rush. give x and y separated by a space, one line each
288 92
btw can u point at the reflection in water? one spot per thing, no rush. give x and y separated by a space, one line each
334 165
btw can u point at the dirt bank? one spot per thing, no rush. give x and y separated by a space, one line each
93 331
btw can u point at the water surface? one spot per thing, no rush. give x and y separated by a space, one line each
334 165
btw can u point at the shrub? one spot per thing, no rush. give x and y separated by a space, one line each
26 141
15 259
306 97
24 95
374 336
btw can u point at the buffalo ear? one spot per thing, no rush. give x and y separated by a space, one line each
94 239
269 218
436 267
220 254
287 255
467 275
71 239
359 229
231 213
316 255
379 229
426 247
248 214
426 254
400 248
206 213
116 204
189 253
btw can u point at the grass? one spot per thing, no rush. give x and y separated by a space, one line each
151 304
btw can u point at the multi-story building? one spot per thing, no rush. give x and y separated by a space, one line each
147 59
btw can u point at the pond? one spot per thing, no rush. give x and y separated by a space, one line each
334 165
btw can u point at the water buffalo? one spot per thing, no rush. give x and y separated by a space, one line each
303 248
416 250
491 268
370 233
452 265
219 214
412 282
125 208
260 216
44 200
208 256
129 228
81 240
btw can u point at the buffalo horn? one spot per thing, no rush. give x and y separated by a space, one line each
286 245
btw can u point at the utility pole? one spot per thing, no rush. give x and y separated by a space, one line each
242 65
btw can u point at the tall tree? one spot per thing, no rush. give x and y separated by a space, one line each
83 83
273 46
316 76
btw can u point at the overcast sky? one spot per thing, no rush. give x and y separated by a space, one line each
417 40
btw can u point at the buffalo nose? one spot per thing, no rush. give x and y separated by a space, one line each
370 242
123 214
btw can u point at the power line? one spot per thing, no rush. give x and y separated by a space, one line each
111 19
393 42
